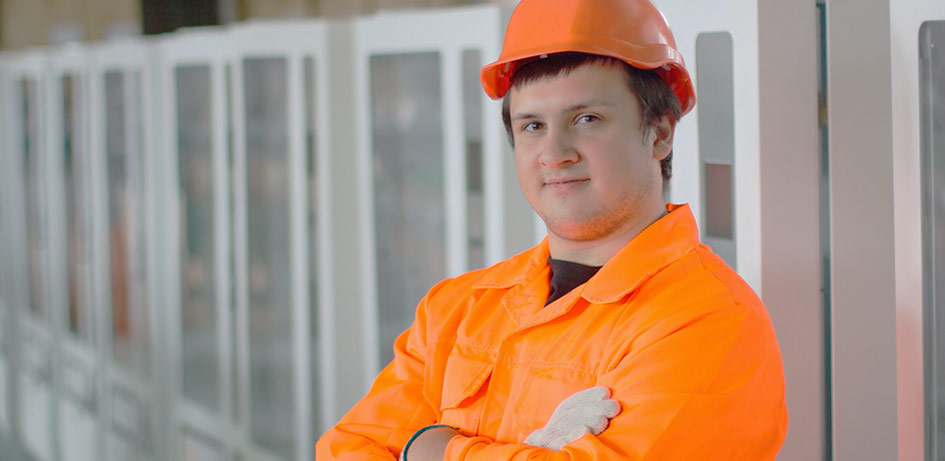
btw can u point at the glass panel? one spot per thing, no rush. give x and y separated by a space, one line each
475 200
270 308
131 421
77 380
717 140
119 447
122 138
199 448
33 195
719 201
126 413
77 255
932 75
311 158
115 129
408 187
199 333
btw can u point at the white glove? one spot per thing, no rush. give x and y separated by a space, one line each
585 412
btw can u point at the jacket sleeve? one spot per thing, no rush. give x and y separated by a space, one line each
378 426
707 387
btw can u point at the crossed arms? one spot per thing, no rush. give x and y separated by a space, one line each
585 412
705 387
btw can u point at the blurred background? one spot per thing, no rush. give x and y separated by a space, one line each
217 215
25 23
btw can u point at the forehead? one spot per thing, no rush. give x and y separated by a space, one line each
594 81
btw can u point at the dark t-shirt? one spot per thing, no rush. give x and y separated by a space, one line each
566 276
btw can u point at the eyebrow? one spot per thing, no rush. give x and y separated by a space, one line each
573 108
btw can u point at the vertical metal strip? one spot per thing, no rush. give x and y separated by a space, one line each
157 193
6 259
167 82
46 323
101 301
89 126
932 113
221 232
80 173
241 416
493 190
365 189
137 308
298 200
861 162
325 275
825 249
493 142
15 199
51 129
454 163
929 317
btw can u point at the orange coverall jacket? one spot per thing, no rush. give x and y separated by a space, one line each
684 344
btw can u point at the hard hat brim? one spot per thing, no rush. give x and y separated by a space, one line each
496 78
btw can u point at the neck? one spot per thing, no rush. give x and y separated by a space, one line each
598 252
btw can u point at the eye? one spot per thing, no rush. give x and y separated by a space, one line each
532 126
586 118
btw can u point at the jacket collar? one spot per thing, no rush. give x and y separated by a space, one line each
660 244
517 269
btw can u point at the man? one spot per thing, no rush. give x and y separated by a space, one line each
619 336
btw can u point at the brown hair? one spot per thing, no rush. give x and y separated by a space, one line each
655 97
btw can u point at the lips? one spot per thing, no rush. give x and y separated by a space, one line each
564 185
563 181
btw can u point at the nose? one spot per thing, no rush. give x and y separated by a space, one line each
558 150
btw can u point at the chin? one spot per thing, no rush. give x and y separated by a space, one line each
586 228
578 232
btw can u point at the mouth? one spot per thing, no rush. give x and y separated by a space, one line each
564 181
564 184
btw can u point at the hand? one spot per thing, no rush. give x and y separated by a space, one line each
430 445
586 412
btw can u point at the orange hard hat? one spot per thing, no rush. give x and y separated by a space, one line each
633 31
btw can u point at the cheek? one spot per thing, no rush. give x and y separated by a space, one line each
525 162
529 179
526 173
627 172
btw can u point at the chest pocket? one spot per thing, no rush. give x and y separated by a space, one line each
540 393
465 383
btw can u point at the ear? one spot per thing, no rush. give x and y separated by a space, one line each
662 135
